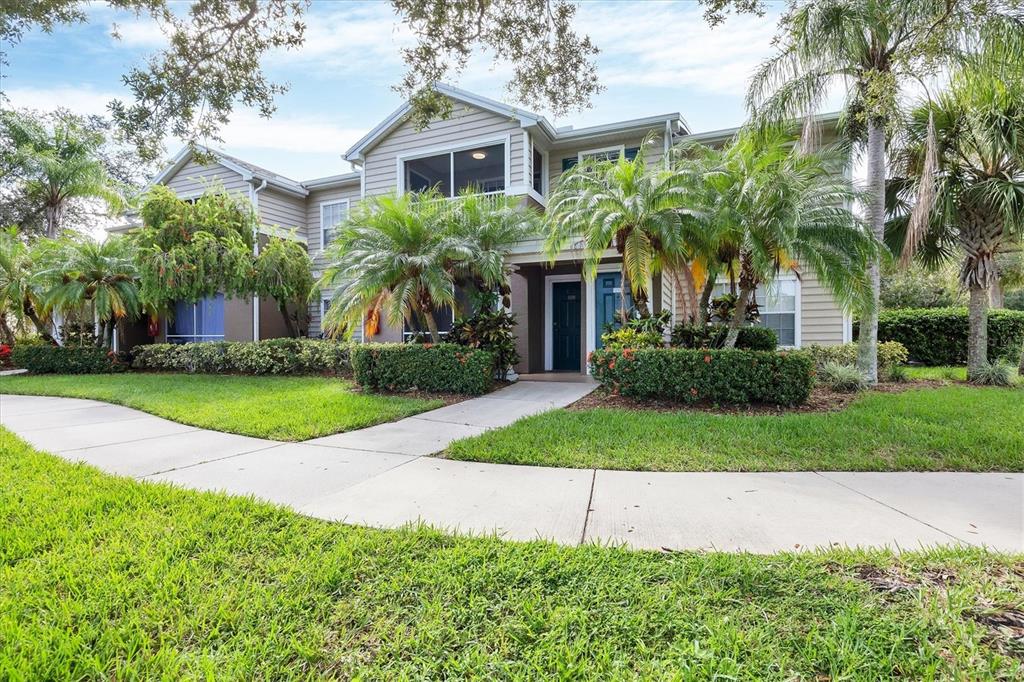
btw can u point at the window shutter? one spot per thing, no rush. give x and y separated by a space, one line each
569 163
631 153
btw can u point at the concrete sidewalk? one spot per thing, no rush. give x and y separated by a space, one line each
381 476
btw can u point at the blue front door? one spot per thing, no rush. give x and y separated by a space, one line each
607 295
565 326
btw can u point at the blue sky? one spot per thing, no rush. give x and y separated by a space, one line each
657 57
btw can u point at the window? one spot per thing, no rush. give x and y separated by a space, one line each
445 317
480 168
776 303
606 154
538 172
332 213
199 321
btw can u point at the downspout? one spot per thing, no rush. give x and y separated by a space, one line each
254 198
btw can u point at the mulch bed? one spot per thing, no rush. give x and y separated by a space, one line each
821 400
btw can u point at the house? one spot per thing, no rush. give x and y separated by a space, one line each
500 148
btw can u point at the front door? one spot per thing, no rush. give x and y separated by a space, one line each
608 302
565 332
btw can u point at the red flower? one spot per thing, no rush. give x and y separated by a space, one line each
627 353
707 359
693 391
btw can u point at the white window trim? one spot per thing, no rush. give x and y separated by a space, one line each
549 317
620 148
797 305
215 337
505 139
325 204
544 162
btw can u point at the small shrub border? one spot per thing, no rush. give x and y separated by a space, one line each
715 376
47 359
691 335
271 356
938 336
890 354
443 368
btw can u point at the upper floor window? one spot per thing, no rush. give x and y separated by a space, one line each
332 214
538 172
481 169
605 154
199 321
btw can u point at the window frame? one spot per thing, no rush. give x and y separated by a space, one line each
323 205
797 304
198 338
450 150
620 148
545 163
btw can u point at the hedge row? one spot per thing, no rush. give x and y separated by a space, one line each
272 356
47 359
404 366
938 336
714 376
690 335
890 354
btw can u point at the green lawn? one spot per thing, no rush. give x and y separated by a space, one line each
108 578
281 408
956 428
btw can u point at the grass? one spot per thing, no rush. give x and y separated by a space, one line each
280 408
108 578
953 428
942 373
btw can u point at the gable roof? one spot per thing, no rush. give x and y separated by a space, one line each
248 171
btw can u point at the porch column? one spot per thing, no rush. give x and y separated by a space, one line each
590 316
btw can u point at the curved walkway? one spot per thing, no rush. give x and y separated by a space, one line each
382 476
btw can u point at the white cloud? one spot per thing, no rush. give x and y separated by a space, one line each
139 33
78 99
301 134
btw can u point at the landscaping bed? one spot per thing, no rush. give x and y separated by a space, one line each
275 407
103 577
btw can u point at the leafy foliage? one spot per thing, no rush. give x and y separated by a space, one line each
938 336
21 290
283 271
891 355
47 359
696 335
998 373
716 376
491 331
270 356
443 368
843 378
916 286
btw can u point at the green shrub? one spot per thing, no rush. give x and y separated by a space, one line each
716 376
938 336
999 373
691 335
842 378
271 356
444 367
46 359
493 331
890 354
897 374
629 337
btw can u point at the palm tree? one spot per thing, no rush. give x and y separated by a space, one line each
645 214
98 279
776 206
21 295
487 225
394 254
60 165
873 47
968 184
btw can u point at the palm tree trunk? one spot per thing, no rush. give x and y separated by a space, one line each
41 329
738 317
622 292
53 215
977 331
705 300
867 345
111 328
428 315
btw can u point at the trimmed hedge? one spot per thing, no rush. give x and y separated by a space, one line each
445 367
890 354
272 356
690 335
716 376
46 359
938 336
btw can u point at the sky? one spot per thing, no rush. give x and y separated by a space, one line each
656 57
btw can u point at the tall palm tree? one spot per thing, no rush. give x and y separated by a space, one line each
873 48
644 213
21 293
969 183
97 279
487 225
60 165
777 206
393 254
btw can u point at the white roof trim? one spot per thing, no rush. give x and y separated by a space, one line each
185 155
331 180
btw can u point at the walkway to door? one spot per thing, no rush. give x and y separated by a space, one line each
381 476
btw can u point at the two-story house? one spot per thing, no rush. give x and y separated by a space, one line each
499 148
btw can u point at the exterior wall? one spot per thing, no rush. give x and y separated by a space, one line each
654 153
350 192
193 179
466 123
821 320
238 319
283 210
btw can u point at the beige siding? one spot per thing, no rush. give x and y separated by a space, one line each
653 154
466 123
349 191
822 321
193 179
282 210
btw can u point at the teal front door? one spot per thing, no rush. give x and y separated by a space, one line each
565 326
607 301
